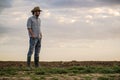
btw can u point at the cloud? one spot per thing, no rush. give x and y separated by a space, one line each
110 2
5 4
67 25
2 30
77 3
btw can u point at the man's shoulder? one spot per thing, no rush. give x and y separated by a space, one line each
30 17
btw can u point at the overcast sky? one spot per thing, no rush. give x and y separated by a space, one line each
82 30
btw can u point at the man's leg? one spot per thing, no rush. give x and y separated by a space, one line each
37 51
30 52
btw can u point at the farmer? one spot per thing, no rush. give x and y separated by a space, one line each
35 36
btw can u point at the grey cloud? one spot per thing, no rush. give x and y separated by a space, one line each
115 2
102 29
4 30
5 4
77 3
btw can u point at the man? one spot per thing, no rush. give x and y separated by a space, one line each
35 36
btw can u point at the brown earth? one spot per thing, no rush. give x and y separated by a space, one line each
69 76
60 63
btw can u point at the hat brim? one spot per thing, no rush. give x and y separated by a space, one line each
36 10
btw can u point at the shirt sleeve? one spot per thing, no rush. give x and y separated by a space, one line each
29 23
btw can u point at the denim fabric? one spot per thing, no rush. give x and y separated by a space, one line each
34 45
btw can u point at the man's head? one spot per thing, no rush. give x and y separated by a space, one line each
36 11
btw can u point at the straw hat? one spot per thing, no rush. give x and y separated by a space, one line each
36 9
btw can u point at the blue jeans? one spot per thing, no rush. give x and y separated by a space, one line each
34 45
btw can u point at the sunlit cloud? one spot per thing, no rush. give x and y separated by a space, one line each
104 10
46 14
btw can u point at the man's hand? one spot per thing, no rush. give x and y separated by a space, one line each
31 32
33 36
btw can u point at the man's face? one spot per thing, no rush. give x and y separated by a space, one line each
37 13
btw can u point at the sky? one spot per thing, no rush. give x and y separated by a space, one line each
81 30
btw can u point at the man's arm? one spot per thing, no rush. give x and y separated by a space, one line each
31 32
29 24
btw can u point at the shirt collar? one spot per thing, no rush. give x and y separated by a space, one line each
35 17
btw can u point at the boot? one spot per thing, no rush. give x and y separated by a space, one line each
36 61
28 61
